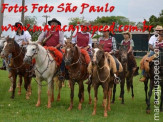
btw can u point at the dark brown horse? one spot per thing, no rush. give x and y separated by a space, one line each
18 67
101 76
128 73
77 69
154 80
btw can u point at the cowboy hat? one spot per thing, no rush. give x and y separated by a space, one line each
158 28
18 24
54 20
127 32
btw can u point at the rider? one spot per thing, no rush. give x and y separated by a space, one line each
54 38
152 43
108 41
130 44
83 39
21 37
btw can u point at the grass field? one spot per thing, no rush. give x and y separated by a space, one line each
21 109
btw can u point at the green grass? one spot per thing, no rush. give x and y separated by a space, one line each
21 109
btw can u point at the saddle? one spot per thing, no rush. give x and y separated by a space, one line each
86 56
56 54
144 63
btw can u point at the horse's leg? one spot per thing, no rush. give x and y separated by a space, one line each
11 85
20 84
122 90
14 85
29 87
39 92
146 89
89 92
72 83
95 98
26 85
105 91
109 98
50 82
132 89
149 96
52 98
114 91
161 104
81 90
59 93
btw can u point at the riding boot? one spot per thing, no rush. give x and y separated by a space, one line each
2 68
11 62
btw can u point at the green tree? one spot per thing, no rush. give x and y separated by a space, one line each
32 21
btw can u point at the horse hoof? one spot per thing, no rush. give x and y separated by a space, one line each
120 98
122 103
27 98
161 110
112 102
58 99
105 114
132 98
79 107
19 93
90 101
12 97
48 106
148 111
94 113
109 109
38 104
70 108
10 90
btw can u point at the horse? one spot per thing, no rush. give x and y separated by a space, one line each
2 44
154 80
100 76
127 74
45 69
18 67
77 69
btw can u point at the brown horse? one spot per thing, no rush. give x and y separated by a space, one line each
18 67
101 76
77 69
156 66
128 73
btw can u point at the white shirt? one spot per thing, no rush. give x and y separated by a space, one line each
25 36
153 40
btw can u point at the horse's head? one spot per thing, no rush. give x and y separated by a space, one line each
31 51
2 43
98 54
69 53
123 53
8 47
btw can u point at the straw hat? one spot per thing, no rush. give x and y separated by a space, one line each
127 32
158 28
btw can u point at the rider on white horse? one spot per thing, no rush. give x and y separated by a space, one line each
54 38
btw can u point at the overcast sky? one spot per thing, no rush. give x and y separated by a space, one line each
135 10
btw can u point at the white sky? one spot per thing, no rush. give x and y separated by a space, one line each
135 10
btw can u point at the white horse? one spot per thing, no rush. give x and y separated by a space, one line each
45 69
